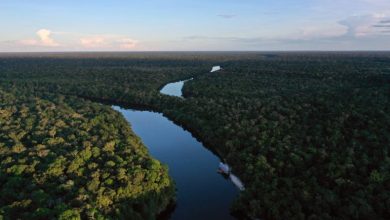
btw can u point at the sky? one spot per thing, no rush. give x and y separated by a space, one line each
196 25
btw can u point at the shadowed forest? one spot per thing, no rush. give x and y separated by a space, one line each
308 133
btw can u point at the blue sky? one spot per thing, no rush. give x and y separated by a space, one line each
149 25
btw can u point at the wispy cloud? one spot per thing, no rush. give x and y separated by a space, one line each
93 42
108 42
127 43
227 16
382 25
47 40
367 31
365 25
305 33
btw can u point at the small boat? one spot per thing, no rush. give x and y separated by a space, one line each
224 168
237 182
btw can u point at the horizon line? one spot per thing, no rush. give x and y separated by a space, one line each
192 51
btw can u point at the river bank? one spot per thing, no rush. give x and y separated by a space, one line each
202 193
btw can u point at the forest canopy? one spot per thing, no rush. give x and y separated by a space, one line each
68 158
308 133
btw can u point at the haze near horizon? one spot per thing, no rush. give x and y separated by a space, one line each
173 25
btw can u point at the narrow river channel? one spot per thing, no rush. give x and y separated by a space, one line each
202 193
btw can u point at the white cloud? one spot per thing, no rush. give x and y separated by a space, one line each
69 41
365 25
93 42
108 42
29 42
127 43
359 32
45 39
311 32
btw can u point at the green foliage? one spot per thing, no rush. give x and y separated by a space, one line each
70 215
65 174
309 133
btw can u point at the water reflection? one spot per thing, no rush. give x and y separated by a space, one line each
174 89
202 192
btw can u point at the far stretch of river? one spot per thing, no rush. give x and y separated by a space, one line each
175 88
202 193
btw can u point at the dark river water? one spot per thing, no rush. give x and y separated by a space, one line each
202 193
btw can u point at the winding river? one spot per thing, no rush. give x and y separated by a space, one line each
174 89
202 193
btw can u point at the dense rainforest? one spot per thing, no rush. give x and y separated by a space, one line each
308 133
67 158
